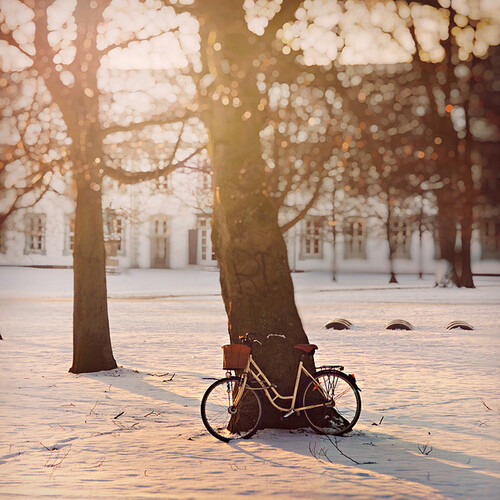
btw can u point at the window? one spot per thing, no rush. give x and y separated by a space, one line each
312 243
490 238
401 236
355 239
34 234
206 250
3 241
120 234
114 229
69 234
164 184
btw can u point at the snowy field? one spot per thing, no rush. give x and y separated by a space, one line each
431 405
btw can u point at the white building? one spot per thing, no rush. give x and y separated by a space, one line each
164 225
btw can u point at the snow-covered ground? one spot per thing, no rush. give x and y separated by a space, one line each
431 406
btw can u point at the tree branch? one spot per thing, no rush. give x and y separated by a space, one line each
9 38
126 43
137 126
306 208
45 188
286 13
126 177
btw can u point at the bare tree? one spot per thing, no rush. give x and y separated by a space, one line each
67 53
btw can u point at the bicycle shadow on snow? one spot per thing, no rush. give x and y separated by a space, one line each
381 458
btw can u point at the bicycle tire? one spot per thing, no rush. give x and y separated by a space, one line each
222 418
342 407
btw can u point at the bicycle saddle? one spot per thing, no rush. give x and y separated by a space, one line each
307 348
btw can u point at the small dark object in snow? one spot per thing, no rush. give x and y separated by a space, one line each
398 324
459 324
339 324
1 338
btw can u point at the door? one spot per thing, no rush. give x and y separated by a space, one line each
206 254
160 242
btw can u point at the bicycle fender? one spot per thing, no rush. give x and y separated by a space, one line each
353 380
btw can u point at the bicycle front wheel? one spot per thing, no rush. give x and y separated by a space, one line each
335 403
225 419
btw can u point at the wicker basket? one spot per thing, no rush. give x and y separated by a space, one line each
235 356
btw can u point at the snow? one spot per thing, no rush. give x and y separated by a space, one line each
136 432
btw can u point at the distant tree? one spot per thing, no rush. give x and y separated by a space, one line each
450 71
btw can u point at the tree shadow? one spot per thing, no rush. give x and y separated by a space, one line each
375 456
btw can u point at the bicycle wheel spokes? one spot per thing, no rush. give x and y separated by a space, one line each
226 414
336 400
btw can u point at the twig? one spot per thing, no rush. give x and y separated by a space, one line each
93 408
485 405
336 446
425 449
323 453
374 423
56 462
49 449
152 412
119 415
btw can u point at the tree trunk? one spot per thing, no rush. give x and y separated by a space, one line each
334 239
255 278
91 338
390 241
420 241
447 227
469 198
254 273
466 277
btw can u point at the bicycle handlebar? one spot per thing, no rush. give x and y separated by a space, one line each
249 338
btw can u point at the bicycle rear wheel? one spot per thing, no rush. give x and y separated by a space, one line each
226 420
339 400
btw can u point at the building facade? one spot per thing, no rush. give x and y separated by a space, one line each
165 226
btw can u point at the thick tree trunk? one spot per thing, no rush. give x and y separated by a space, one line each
255 277
91 338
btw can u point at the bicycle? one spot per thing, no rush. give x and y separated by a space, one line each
231 407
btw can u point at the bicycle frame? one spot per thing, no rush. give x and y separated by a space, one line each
253 369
